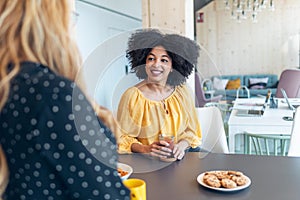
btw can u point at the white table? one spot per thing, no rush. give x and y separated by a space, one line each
270 123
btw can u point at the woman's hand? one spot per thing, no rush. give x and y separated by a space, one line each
160 149
156 149
179 149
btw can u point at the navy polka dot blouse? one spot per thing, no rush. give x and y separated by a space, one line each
55 145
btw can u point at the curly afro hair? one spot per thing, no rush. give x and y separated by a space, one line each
183 52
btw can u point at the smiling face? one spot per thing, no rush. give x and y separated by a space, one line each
158 65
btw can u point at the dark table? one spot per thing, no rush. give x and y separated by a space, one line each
274 178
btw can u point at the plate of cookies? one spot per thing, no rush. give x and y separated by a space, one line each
224 180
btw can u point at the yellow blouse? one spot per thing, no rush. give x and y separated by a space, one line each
142 119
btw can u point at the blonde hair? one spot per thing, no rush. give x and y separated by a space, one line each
37 31
3 173
106 116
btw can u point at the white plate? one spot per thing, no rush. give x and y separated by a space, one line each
200 181
126 168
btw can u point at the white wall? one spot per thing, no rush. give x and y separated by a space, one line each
101 19
102 33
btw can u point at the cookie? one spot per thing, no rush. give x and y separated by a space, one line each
210 173
222 174
212 180
228 183
236 173
207 176
240 180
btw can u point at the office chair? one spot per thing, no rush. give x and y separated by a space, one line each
290 81
200 98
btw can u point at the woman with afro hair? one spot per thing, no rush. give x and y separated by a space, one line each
161 104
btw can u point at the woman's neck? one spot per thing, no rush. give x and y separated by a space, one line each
155 91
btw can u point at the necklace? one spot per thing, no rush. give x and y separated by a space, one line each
163 100
164 106
163 95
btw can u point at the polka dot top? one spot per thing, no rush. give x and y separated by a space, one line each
55 145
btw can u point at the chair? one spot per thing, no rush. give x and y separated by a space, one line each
290 81
294 149
201 99
243 87
212 127
265 144
284 144
224 107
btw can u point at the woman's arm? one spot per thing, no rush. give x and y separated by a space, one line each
140 148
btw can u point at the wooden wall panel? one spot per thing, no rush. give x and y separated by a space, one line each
268 46
168 15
